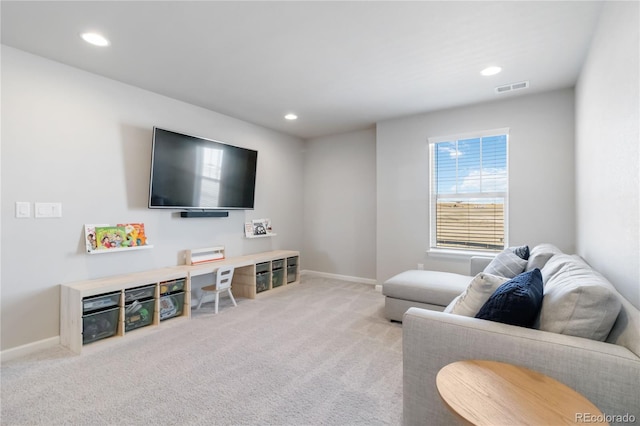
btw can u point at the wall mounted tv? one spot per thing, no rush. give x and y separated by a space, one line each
189 172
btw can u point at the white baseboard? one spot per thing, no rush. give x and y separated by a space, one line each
369 281
29 348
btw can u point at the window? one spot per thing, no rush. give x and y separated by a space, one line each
210 173
468 196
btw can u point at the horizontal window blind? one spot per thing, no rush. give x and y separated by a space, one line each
468 192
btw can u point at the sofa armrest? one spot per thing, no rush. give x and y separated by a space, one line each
606 374
477 264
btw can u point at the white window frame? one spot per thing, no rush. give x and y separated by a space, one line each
433 250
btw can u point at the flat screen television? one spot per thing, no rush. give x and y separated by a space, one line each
190 172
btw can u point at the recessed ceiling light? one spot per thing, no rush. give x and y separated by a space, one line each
95 39
490 71
291 117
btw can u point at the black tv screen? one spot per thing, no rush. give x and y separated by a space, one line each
189 172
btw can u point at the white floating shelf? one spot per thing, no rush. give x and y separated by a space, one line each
262 236
113 250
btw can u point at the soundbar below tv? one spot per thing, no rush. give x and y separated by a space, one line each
190 172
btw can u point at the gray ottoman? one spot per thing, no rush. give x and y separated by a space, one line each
421 289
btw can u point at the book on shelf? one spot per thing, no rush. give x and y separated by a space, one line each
107 237
135 234
248 229
90 237
258 227
267 226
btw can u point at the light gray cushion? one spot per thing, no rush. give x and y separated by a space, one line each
539 256
506 264
578 301
432 287
481 287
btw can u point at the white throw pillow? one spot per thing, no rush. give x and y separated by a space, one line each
481 287
578 301
506 264
540 255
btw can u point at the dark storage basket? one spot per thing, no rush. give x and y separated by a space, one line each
292 274
171 305
138 314
262 281
278 278
292 269
103 301
139 293
277 264
173 286
262 267
99 325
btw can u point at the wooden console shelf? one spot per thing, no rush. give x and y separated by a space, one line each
254 274
73 297
245 278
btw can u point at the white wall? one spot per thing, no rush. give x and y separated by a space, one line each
541 176
339 200
85 141
607 150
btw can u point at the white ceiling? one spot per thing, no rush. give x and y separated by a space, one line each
340 66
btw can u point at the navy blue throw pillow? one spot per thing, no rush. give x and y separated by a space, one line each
516 302
522 252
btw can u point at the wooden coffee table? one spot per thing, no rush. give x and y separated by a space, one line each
497 393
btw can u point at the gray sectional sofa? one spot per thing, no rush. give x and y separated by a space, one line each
587 336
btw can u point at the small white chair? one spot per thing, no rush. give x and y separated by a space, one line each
224 276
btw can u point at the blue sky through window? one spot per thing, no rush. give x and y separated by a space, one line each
468 166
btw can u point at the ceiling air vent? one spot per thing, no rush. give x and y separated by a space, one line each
513 86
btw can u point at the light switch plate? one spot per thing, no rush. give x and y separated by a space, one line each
23 209
48 210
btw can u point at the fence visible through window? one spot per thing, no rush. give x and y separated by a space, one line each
472 226
468 191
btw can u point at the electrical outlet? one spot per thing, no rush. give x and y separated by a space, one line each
421 266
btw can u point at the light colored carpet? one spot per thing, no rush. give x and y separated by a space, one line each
315 353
